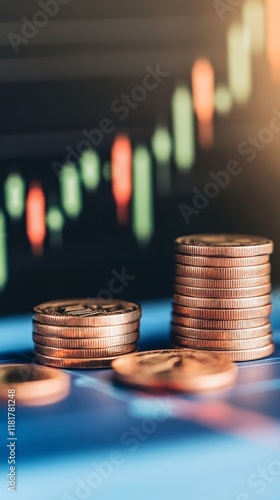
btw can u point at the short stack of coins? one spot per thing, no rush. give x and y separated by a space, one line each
85 333
221 299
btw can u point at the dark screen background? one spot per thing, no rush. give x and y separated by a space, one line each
63 81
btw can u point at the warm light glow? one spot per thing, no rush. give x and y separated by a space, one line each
239 62
122 176
253 17
35 218
203 100
273 38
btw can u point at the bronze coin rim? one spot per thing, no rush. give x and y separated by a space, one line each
85 332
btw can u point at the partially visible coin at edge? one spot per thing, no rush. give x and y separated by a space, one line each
33 385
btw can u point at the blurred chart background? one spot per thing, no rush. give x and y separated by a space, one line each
113 117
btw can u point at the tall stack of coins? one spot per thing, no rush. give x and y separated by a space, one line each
86 333
221 298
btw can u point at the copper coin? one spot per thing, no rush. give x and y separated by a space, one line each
243 303
219 324
195 260
232 345
98 343
223 273
176 369
224 293
85 353
207 334
223 314
85 332
245 354
75 363
224 245
217 283
33 385
93 312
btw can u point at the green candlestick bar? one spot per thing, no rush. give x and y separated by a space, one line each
183 124
143 217
162 149
55 223
71 191
223 100
90 168
14 191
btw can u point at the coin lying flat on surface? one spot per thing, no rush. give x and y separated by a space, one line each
176 369
87 312
223 245
33 385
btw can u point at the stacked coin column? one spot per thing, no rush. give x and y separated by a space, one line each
221 298
87 333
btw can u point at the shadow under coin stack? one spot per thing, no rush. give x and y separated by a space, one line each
86 333
221 298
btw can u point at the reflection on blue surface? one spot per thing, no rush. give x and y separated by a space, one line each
190 452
